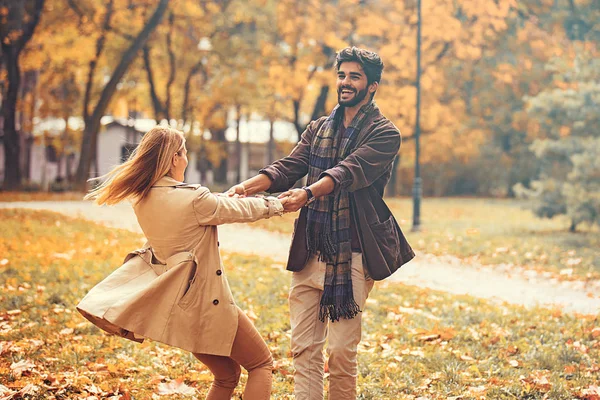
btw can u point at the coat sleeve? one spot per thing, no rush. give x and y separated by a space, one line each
367 163
285 172
212 209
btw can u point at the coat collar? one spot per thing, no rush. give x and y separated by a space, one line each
167 181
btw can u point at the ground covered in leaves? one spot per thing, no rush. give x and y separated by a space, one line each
417 343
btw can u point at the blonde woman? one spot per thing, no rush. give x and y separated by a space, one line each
180 220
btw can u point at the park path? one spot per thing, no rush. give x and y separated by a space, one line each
444 273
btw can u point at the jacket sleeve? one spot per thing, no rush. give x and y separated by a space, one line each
367 163
285 172
212 209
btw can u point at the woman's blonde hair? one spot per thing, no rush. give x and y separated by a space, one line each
150 161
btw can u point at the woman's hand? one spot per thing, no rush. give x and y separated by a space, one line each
236 191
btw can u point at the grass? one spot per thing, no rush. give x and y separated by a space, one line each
417 342
492 232
39 196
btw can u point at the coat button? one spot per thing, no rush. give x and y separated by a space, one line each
219 272
215 302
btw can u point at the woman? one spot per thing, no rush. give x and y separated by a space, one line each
179 219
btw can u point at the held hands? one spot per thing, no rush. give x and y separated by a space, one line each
293 200
236 191
239 191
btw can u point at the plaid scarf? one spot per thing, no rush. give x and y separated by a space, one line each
328 220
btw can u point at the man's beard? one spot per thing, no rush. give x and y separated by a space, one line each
358 97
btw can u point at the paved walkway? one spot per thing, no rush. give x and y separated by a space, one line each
448 274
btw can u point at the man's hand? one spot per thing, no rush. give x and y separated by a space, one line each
295 199
236 191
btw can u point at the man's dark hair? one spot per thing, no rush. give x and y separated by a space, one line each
370 62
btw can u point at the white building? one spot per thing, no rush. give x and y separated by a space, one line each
119 136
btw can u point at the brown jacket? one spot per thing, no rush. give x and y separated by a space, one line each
175 290
364 174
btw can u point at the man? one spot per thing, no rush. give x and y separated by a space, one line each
345 236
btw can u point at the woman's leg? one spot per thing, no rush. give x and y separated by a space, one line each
226 372
251 352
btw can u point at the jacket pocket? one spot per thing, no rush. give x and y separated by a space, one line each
188 286
387 238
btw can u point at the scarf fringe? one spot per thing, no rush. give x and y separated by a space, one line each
332 310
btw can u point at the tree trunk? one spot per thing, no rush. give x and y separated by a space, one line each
185 107
92 124
14 35
319 108
271 145
12 148
28 150
63 154
156 103
172 67
573 227
238 143
299 129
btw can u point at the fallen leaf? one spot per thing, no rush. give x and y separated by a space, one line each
591 393
175 387
5 347
29 389
428 338
569 369
538 380
93 389
21 367
4 391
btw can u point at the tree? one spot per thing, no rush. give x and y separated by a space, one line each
469 27
19 20
569 159
92 115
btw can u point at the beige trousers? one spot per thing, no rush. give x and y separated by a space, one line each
309 334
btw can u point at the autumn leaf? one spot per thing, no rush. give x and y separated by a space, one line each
175 387
4 391
591 393
538 380
22 367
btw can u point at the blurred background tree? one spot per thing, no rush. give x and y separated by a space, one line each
568 157
508 93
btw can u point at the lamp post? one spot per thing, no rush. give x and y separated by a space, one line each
417 188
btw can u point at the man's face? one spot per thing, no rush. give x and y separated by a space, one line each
352 84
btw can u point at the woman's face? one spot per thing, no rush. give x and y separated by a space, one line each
180 163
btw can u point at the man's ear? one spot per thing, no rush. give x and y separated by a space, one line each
373 87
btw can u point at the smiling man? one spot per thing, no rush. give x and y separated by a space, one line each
345 236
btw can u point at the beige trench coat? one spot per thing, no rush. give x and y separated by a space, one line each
175 290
